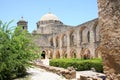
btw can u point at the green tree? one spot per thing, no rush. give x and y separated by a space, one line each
17 50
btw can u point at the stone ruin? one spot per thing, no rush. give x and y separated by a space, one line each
109 22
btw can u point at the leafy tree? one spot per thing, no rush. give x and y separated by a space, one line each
17 50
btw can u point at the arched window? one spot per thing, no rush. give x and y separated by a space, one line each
51 42
88 36
96 29
72 39
64 41
80 34
57 42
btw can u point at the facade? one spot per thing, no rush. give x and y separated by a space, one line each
58 40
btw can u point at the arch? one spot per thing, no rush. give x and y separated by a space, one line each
72 38
81 33
51 41
96 32
64 54
64 40
98 53
73 53
57 54
57 42
85 35
88 36
86 54
43 54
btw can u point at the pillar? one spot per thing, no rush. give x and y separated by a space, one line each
109 22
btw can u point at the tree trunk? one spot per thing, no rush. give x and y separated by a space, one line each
109 22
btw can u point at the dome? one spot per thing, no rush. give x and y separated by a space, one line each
49 16
22 19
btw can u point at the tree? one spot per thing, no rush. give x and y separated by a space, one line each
17 49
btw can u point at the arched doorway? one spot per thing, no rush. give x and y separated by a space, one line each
73 53
64 54
57 55
43 55
86 54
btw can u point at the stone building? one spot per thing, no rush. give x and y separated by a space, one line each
23 23
58 40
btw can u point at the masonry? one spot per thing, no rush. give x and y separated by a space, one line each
109 20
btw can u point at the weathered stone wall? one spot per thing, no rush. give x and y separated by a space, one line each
68 74
50 27
78 39
109 22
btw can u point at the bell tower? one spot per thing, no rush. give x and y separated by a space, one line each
22 23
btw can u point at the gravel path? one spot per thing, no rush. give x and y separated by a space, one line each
40 74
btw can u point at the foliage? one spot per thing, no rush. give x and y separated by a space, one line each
16 51
78 64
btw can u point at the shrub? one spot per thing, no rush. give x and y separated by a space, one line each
16 51
78 64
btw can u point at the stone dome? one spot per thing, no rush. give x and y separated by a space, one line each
22 19
49 16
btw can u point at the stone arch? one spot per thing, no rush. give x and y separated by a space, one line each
57 41
86 35
51 41
96 30
43 54
86 54
57 54
72 38
64 53
73 53
81 33
64 40
98 53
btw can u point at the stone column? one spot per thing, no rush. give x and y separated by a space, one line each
109 22
92 35
78 47
60 43
92 43
68 45
78 38
54 46
60 47
54 42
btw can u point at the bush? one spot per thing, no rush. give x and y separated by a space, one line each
16 51
78 64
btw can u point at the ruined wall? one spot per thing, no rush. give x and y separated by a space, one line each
109 22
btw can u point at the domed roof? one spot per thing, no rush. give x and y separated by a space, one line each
22 19
49 16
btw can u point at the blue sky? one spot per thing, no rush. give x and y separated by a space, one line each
70 12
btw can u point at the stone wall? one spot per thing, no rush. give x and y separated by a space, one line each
77 40
109 22
68 74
